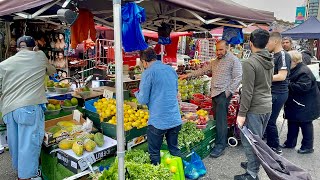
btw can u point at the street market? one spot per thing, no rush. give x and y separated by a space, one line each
139 89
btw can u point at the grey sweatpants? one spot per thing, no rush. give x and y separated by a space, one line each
257 124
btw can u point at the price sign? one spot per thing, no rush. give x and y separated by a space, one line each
107 94
83 163
77 115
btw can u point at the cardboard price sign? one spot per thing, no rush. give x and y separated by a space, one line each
107 94
83 163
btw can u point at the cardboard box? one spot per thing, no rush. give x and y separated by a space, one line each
78 164
49 140
136 141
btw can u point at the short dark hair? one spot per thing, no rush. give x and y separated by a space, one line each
148 55
287 38
276 35
259 38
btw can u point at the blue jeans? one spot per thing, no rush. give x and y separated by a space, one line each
155 139
278 100
25 128
257 124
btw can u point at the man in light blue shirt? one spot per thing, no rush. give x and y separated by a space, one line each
158 90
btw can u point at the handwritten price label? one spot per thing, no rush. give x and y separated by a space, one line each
107 94
83 163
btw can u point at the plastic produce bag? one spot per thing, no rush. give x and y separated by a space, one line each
195 168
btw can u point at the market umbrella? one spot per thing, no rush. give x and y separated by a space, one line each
276 166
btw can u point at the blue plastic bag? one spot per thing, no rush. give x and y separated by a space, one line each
197 162
195 168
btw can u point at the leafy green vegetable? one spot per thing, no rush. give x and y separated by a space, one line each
136 171
189 135
138 156
138 167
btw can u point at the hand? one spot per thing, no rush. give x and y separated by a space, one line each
241 121
183 76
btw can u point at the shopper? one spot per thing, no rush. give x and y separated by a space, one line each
302 106
226 76
279 88
288 46
23 101
256 99
159 90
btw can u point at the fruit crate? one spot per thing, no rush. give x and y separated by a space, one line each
203 149
110 130
209 134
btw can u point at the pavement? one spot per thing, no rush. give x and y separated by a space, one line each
228 165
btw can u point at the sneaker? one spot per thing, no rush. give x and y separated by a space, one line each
284 146
245 176
244 165
277 150
217 153
305 151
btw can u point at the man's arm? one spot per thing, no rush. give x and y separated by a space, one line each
284 67
236 77
199 72
50 69
143 95
248 79
281 76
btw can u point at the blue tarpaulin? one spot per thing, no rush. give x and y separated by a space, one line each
310 29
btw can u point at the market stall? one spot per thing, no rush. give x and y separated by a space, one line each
125 122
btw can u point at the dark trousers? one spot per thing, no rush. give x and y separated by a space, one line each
220 106
256 123
278 101
155 139
307 133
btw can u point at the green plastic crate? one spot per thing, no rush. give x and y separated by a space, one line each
94 117
110 130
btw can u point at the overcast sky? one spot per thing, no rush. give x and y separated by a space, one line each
283 9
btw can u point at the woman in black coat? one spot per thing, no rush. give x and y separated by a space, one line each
303 104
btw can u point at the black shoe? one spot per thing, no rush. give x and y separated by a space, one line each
245 176
244 165
216 153
284 146
305 151
277 150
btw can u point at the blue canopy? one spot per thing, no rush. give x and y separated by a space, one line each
310 29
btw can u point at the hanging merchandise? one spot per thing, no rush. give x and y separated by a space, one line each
232 35
68 51
164 34
132 37
80 29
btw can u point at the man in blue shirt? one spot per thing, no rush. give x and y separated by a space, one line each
158 90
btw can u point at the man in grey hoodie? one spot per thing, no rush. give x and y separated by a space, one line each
256 99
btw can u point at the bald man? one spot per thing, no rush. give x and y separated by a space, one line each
226 76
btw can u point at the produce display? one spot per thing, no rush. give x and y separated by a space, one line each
61 85
138 167
106 108
62 127
53 105
80 142
189 87
189 134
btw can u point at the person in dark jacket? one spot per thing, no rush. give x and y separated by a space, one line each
303 104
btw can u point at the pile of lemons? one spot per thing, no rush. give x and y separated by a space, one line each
106 108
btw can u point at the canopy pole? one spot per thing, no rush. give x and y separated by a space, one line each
119 86
162 52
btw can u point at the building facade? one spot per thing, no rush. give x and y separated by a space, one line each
313 7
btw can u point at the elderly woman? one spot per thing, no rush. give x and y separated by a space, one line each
302 106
